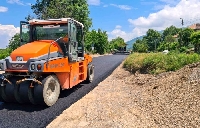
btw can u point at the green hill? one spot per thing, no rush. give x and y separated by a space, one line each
130 42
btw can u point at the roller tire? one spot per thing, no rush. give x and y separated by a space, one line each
7 91
21 92
31 96
51 90
35 94
90 73
39 94
1 99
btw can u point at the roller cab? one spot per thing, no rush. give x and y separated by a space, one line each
50 59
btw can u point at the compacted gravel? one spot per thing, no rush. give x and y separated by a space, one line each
124 100
22 116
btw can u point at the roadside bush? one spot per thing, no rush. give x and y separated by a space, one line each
4 53
155 63
134 61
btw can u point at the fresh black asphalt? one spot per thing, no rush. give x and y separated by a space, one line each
32 116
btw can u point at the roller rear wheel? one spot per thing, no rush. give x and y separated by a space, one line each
51 90
1 99
46 94
90 73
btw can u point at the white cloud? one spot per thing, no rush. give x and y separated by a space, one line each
19 2
3 9
6 33
94 2
15 1
123 7
186 9
105 5
118 32
118 27
171 2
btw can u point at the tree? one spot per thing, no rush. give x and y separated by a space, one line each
117 43
172 30
77 9
98 39
184 37
14 42
195 39
140 46
167 46
90 39
169 39
4 53
29 17
102 44
153 38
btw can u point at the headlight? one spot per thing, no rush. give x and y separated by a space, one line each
39 67
36 66
32 66
1 66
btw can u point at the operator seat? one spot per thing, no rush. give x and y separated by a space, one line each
63 43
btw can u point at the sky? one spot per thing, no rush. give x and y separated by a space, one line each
127 19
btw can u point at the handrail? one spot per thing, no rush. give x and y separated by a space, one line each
49 50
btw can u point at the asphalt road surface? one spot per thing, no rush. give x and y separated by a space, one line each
32 116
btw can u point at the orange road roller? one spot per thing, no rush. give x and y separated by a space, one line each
50 59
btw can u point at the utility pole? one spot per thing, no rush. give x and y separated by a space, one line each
182 23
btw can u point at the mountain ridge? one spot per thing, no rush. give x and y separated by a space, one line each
131 42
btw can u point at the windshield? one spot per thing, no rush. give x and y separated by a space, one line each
49 32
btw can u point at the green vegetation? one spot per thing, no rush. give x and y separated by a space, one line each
98 39
155 63
77 9
4 53
171 38
183 44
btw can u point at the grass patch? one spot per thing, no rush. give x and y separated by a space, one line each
155 63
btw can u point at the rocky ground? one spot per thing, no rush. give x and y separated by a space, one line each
127 100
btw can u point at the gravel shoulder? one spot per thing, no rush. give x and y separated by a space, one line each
141 100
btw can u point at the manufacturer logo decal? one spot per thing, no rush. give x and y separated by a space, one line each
60 65
19 58
17 65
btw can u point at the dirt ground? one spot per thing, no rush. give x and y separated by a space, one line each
125 100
